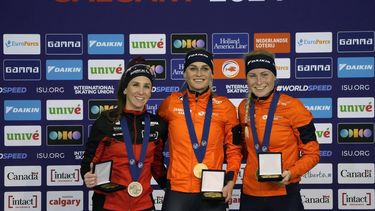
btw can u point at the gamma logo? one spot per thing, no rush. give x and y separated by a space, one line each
65 135
308 68
159 67
355 133
22 69
182 43
64 44
355 41
96 107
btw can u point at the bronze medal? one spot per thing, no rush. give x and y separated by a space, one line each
135 189
198 169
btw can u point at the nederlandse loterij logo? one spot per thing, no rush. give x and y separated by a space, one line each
64 44
355 67
64 109
310 67
25 135
230 43
101 69
105 44
22 69
355 41
64 70
355 107
313 42
273 42
21 44
19 110
147 43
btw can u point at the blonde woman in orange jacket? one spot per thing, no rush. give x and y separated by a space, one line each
212 116
290 134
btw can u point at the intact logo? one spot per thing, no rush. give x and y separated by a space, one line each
177 69
313 42
323 132
64 135
355 41
355 173
273 42
19 110
355 107
320 174
64 70
355 133
19 176
319 107
25 135
282 67
64 200
64 109
147 43
182 43
64 44
105 44
25 200
230 43
102 69
22 69
355 199
96 107
318 67
159 67
229 69
64 175
355 67
21 44
317 199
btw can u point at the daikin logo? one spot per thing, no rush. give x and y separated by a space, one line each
22 110
106 44
355 107
319 107
64 70
355 41
64 109
355 67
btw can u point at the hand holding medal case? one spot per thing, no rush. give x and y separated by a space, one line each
103 171
212 184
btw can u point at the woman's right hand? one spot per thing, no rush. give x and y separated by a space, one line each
90 177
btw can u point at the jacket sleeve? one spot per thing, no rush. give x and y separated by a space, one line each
96 135
304 130
158 170
232 142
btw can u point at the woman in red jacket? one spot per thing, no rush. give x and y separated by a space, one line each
279 130
203 129
133 140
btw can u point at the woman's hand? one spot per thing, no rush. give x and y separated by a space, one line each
227 190
286 177
90 178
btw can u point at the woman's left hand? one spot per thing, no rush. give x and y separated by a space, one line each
286 177
227 190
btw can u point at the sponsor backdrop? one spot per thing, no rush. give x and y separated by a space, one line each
61 60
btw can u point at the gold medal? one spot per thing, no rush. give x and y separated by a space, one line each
198 169
135 189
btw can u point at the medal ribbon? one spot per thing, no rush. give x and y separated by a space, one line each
267 132
136 167
199 149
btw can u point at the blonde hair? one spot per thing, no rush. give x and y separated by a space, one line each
247 114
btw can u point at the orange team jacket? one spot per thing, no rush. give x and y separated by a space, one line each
220 140
293 134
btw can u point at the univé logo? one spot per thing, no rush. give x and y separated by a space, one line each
355 107
25 135
64 135
64 109
355 133
147 43
96 107
182 43
101 69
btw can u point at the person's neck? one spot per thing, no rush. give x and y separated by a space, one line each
198 92
262 98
